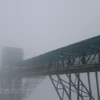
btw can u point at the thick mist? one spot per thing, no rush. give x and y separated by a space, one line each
38 26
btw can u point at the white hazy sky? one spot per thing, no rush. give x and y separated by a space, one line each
39 26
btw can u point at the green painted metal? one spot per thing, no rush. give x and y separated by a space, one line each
88 46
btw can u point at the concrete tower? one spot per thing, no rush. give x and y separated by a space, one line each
10 87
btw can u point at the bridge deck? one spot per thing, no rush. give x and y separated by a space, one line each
88 46
80 57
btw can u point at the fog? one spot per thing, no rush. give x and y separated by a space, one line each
39 26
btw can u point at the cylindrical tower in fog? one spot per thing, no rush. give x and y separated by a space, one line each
10 87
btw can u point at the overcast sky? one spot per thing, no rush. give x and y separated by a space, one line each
39 26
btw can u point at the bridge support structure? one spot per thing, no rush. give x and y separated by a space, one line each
75 88
76 83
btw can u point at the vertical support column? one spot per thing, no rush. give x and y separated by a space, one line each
70 87
97 83
89 83
78 86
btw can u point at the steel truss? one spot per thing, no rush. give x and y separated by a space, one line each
77 88
29 85
83 63
71 85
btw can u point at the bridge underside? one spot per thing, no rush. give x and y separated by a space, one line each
77 86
